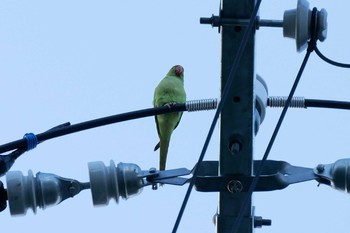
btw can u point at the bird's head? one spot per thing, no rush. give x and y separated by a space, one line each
177 70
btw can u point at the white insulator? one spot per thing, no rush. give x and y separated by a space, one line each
297 24
261 93
29 192
112 181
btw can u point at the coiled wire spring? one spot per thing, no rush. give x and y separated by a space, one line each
204 104
280 101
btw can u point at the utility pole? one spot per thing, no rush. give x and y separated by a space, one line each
237 121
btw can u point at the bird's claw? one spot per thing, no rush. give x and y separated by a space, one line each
170 105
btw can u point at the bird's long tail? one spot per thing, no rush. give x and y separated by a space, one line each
163 152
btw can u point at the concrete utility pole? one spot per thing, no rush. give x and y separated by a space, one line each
237 121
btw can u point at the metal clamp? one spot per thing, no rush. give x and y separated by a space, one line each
275 175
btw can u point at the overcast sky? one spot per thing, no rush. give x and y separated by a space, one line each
80 60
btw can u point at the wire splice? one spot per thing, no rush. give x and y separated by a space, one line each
32 141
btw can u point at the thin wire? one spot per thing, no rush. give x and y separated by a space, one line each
334 63
218 111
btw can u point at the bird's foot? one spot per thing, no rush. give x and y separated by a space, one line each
170 105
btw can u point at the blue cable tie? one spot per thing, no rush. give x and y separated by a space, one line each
32 140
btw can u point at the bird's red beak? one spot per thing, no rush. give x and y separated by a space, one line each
179 70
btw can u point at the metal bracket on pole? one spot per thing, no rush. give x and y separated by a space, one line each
275 176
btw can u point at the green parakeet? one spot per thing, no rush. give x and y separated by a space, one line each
170 90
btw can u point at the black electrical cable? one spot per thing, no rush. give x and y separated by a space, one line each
327 104
334 63
6 161
311 47
30 140
66 128
218 111
20 146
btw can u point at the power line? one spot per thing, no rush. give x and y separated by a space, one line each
30 140
67 128
326 59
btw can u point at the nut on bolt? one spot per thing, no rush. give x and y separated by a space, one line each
234 186
320 168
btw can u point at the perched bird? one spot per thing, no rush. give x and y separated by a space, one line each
169 91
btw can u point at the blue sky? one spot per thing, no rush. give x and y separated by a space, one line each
75 61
